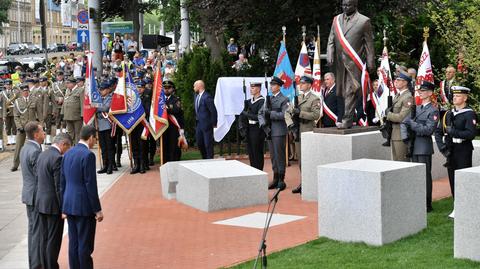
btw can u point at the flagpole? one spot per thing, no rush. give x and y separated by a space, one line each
99 150
129 150
284 30
161 150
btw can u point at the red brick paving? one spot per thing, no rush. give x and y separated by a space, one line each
143 230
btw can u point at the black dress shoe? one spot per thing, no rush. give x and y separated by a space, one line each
114 167
273 185
103 170
13 169
386 143
297 189
142 169
118 163
110 170
135 170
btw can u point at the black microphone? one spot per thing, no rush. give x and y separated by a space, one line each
280 187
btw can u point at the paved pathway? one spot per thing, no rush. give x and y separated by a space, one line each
13 218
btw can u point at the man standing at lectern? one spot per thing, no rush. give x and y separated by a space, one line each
350 43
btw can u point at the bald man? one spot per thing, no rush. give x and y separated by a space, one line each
206 119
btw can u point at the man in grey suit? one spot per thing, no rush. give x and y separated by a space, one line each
274 112
48 200
28 161
423 125
354 29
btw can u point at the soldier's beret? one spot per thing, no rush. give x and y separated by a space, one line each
255 84
8 81
404 76
277 81
105 84
29 80
306 79
72 80
427 86
140 83
168 83
460 89
23 86
43 78
80 79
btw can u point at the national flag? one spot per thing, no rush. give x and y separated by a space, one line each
303 64
92 97
119 97
425 72
284 71
158 119
135 112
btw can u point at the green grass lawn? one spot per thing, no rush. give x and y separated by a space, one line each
431 248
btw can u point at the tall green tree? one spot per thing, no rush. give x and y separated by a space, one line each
4 7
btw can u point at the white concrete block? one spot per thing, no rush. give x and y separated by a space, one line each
371 201
467 214
169 176
211 186
319 149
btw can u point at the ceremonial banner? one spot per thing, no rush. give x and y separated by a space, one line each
303 64
317 72
158 119
119 99
385 86
425 72
135 112
92 97
284 71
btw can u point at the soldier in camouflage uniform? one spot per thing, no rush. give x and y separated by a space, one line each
37 94
24 111
8 98
58 97
48 100
72 109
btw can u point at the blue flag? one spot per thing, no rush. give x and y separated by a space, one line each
284 71
135 111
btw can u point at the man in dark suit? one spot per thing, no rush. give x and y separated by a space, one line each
332 104
28 161
49 200
206 119
81 204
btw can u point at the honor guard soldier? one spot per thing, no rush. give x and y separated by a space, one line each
308 112
47 107
8 99
139 146
24 111
37 94
455 133
401 108
422 127
273 112
104 127
59 96
174 135
151 143
255 135
72 109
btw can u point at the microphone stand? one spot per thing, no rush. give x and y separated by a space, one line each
262 250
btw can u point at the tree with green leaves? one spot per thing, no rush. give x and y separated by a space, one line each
4 7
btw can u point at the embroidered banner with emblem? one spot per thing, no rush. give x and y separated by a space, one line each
92 97
119 97
284 71
158 119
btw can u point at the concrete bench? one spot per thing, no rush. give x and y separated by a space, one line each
319 149
169 176
371 201
210 186
467 214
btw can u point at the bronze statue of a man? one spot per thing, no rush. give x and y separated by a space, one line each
350 50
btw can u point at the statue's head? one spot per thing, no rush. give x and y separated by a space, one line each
349 6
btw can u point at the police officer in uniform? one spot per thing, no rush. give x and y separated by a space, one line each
24 111
173 136
8 98
274 112
104 127
401 108
423 126
72 109
58 97
455 133
308 112
255 135
139 146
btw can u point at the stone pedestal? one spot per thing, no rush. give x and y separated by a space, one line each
371 201
319 149
210 186
169 176
467 214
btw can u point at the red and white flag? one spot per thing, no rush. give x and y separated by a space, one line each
119 97
158 118
385 86
91 94
303 64
317 72
425 72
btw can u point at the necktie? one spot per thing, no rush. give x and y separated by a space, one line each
197 103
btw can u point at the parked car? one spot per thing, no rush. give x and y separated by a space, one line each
52 48
34 49
61 47
14 49
24 47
